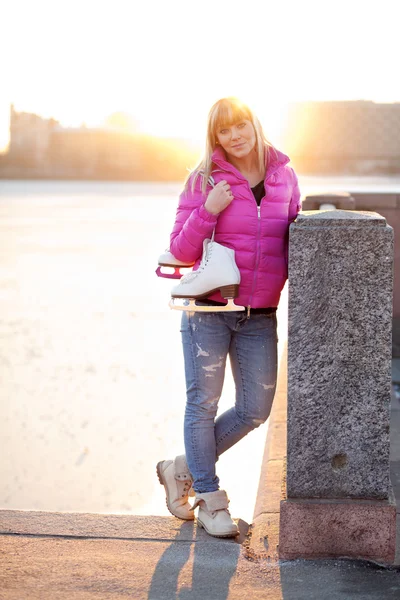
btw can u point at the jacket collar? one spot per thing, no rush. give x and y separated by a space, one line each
276 160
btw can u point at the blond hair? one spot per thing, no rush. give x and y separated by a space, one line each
226 112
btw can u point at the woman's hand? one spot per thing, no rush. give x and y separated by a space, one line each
219 198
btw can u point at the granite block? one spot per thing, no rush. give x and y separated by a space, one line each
338 529
339 355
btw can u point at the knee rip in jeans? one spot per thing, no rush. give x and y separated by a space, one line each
268 387
213 368
206 406
257 422
253 422
211 401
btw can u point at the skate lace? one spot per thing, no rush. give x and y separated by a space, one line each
205 258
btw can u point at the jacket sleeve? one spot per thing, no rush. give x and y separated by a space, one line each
295 202
193 224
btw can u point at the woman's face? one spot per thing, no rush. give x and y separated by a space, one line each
237 140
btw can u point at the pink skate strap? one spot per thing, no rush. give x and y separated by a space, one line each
175 275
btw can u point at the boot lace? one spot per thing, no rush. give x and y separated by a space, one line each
204 261
186 487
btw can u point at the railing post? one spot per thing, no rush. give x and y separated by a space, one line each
338 496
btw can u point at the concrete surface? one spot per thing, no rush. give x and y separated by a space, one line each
176 560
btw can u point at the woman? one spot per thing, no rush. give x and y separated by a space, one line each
254 199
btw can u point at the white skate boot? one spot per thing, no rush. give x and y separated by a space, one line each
168 260
217 271
214 515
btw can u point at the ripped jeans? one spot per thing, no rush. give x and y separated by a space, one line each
208 338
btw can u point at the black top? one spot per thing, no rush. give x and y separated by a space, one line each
258 192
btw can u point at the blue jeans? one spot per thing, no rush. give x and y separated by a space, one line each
251 343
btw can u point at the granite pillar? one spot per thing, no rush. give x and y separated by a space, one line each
339 500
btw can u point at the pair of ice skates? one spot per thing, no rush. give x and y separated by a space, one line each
217 272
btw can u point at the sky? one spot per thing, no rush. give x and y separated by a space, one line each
166 63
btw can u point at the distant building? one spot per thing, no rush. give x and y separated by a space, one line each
320 137
30 137
43 148
38 143
93 151
344 137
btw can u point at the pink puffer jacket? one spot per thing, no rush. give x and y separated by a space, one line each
259 236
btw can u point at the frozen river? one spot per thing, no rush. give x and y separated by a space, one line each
91 369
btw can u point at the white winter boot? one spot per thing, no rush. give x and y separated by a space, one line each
174 475
214 515
217 271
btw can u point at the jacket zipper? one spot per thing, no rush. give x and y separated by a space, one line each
257 256
258 226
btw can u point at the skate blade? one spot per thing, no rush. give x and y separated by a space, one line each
171 271
193 307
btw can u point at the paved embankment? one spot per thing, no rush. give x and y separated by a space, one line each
86 557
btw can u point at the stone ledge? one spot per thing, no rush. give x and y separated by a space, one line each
264 532
375 201
264 538
269 492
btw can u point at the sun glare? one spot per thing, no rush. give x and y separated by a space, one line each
149 61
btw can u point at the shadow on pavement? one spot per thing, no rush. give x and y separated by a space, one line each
192 569
338 580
